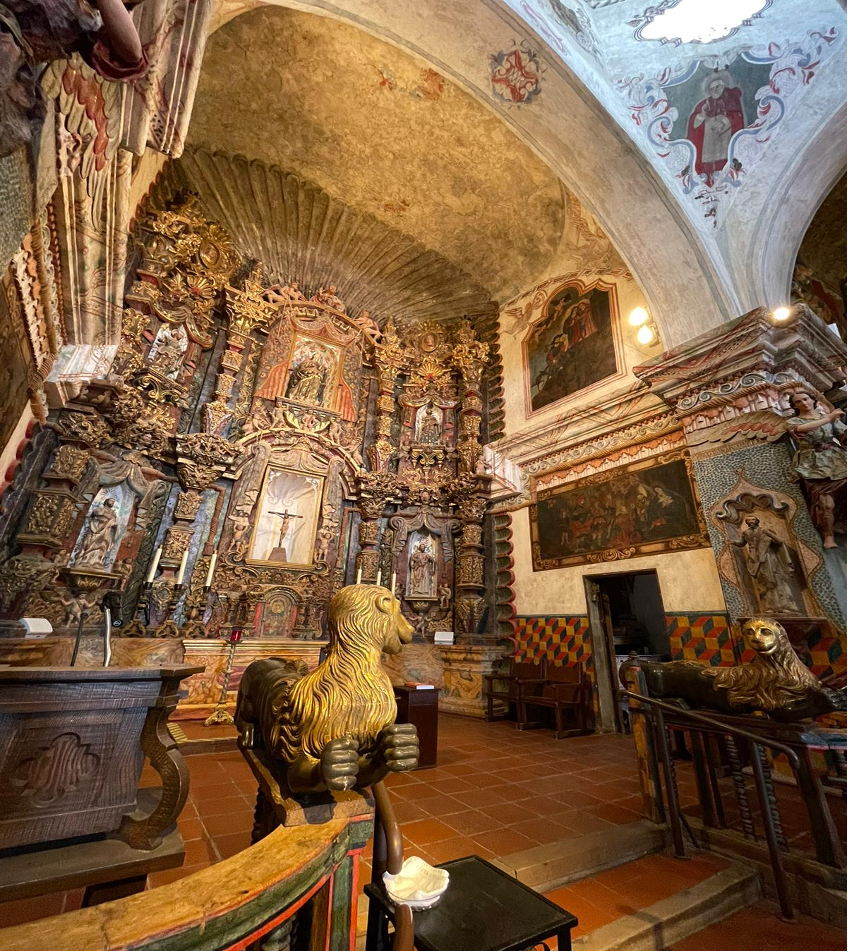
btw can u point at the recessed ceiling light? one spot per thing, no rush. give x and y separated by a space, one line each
696 21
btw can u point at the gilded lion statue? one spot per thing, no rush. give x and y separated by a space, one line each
334 727
775 682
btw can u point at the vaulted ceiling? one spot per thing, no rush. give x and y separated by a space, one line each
374 130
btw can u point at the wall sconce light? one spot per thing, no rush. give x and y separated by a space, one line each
781 313
647 333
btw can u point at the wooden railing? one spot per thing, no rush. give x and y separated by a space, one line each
246 902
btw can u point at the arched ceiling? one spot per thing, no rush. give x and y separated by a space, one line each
373 128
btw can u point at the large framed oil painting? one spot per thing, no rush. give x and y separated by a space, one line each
287 518
573 346
643 508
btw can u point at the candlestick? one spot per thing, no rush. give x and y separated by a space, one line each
211 571
379 575
151 575
181 573
359 575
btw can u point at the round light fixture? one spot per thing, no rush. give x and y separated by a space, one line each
646 334
781 313
638 316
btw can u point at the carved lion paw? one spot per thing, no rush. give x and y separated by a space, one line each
399 746
340 763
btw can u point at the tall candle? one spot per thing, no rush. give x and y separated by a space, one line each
154 564
359 575
211 570
394 582
181 573
379 575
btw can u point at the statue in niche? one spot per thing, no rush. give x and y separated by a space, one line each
430 427
769 565
819 459
329 298
32 33
99 535
422 572
307 380
168 350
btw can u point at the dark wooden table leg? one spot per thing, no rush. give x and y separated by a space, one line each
118 889
564 940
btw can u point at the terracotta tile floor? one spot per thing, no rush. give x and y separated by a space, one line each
495 791
618 892
757 927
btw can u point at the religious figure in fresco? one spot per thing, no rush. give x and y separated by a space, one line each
819 460
430 428
330 299
714 121
422 572
99 535
769 565
307 380
32 33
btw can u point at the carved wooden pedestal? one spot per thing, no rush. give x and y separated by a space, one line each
465 667
72 745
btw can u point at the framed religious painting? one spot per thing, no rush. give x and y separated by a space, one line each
286 518
575 345
310 375
646 507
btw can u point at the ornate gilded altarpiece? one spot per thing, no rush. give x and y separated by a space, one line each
252 449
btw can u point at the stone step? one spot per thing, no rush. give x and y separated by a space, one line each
667 922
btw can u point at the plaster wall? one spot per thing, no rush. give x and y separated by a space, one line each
688 580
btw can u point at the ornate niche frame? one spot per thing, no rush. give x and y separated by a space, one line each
776 511
583 289
278 465
627 482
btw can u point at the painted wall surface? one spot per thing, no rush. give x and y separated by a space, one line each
688 580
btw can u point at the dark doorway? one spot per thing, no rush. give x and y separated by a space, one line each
625 614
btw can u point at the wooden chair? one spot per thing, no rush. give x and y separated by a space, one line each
565 690
522 679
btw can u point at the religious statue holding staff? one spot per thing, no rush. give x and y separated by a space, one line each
768 564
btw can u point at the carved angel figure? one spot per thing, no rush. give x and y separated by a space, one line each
334 727
99 535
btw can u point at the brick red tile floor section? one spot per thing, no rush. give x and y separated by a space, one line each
758 927
625 890
495 791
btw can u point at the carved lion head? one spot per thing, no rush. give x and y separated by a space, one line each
367 616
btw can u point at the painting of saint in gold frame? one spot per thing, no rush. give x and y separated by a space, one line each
286 518
310 376
646 507
573 346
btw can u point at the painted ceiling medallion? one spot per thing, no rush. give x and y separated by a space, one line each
693 21
516 75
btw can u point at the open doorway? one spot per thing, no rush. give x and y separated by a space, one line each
625 614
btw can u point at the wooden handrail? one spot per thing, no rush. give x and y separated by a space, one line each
230 905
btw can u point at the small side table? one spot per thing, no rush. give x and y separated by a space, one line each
484 908
421 708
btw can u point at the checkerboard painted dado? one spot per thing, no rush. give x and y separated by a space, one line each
562 639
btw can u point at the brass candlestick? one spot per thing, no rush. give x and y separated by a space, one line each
221 715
